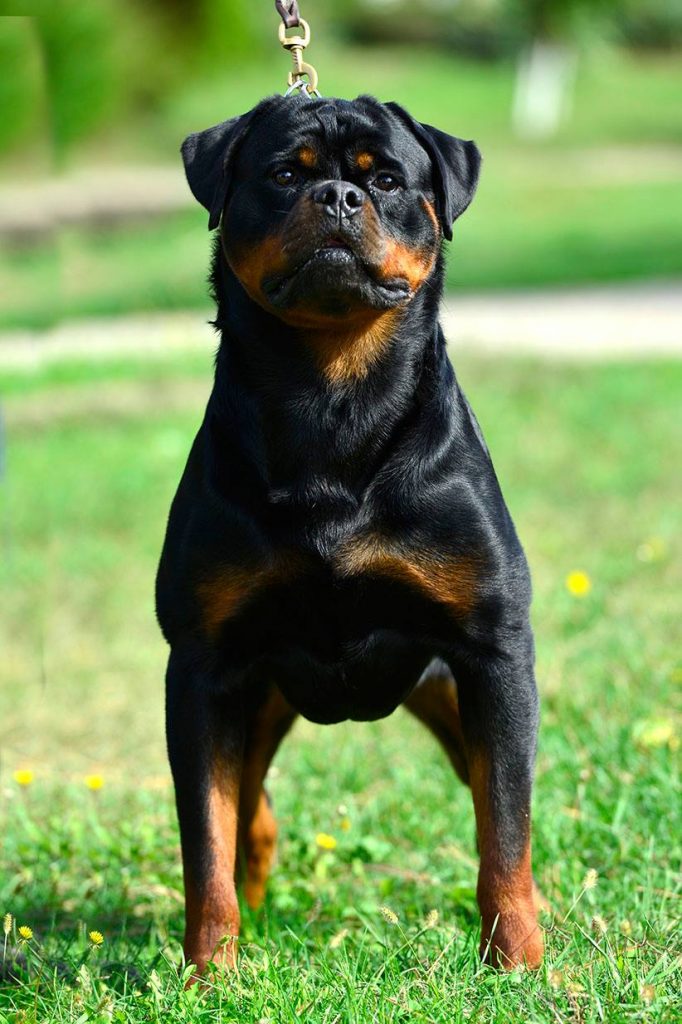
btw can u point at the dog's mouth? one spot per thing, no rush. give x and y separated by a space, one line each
335 265
332 250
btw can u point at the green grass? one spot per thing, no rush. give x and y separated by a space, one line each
586 457
600 202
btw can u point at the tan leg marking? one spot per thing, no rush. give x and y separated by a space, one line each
260 845
510 934
211 907
434 702
258 829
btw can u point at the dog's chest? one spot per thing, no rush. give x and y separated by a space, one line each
369 582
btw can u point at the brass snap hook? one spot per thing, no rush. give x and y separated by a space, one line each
296 44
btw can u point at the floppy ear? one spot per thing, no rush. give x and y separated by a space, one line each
207 156
456 165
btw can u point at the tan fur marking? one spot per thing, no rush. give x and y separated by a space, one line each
258 829
510 933
251 266
260 843
364 161
451 582
307 157
212 910
223 595
435 703
414 265
432 216
350 354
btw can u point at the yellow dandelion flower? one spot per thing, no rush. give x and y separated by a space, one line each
325 841
7 924
24 776
344 824
388 915
578 583
590 879
26 932
93 782
96 938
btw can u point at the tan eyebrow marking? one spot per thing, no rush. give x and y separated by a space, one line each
364 161
307 156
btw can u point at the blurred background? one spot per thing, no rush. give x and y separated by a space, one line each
564 316
574 103
572 249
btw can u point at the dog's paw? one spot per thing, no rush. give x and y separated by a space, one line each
512 940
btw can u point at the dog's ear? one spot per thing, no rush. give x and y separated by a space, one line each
208 157
456 165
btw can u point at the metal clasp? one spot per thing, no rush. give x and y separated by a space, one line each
296 44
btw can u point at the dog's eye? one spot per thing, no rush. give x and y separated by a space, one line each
387 182
284 176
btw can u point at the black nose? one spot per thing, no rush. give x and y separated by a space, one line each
339 198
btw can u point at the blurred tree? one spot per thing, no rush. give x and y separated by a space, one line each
478 27
650 24
547 63
23 93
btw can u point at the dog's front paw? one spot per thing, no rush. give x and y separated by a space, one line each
207 954
512 940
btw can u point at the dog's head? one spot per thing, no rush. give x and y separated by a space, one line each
330 210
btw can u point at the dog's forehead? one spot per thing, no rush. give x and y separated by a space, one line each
335 126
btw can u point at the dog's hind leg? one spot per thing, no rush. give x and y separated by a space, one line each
434 702
266 728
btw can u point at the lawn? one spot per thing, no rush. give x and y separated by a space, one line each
89 841
600 202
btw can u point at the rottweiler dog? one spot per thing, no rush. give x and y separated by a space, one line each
338 544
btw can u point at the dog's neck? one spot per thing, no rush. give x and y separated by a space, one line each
324 408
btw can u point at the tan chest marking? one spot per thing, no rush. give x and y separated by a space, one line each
448 581
224 594
351 354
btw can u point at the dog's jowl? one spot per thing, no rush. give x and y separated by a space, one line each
338 544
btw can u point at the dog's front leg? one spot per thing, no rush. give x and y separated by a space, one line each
205 733
499 713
